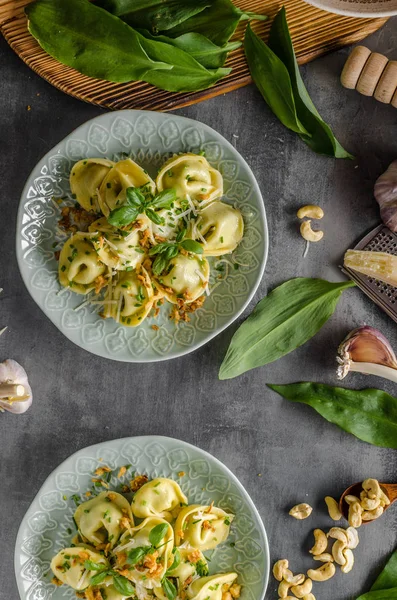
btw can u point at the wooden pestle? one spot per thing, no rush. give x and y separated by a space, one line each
371 74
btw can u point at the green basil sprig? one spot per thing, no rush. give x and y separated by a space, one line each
100 577
137 554
123 585
138 202
370 414
177 560
275 71
281 322
169 588
92 566
166 251
158 533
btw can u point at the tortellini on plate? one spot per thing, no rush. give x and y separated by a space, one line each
203 527
103 519
126 173
107 590
69 566
86 178
192 176
158 498
116 248
210 587
149 568
221 226
79 265
186 278
172 223
131 298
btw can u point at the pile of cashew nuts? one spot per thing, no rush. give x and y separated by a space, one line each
313 212
369 506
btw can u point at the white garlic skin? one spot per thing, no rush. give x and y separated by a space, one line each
385 192
13 372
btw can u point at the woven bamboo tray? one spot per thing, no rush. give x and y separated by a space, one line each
314 33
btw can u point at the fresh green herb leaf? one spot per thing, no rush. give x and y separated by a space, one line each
370 414
159 248
135 197
388 577
92 566
181 235
153 216
169 588
192 246
123 585
99 577
137 554
164 199
201 568
158 533
281 322
159 265
177 560
389 594
124 215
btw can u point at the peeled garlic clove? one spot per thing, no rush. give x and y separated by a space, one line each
15 391
385 192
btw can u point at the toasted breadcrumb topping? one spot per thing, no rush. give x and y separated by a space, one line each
138 482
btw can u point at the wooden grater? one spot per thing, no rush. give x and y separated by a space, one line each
380 239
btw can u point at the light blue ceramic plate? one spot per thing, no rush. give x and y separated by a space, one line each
47 525
149 138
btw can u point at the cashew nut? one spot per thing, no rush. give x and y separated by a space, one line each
370 503
309 597
333 508
384 499
292 579
310 210
370 515
320 542
309 234
301 511
323 573
337 552
354 517
337 533
372 487
288 598
283 589
278 569
349 499
325 557
352 538
349 561
300 591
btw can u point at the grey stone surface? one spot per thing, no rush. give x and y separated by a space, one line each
81 399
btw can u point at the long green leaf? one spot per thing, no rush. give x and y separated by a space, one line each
321 140
218 22
390 594
273 81
370 415
154 15
281 322
83 36
388 577
199 47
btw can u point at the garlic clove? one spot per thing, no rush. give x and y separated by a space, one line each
15 391
385 192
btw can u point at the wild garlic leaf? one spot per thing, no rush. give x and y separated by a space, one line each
123 585
157 533
83 36
388 577
389 594
281 322
370 414
321 139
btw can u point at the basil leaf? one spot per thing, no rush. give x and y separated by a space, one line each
388 577
192 246
218 22
159 248
153 216
159 264
155 15
370 415
281 322
124 215
99 577
321 140
137 554
177 560
164 199
388 594
123 585
91 566
83 36
181 235
169 588
157 533
171 252
135 197
273 81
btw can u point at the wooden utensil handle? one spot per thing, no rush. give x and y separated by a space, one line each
371 74
391 489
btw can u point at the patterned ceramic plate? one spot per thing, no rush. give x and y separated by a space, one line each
48 524
149 138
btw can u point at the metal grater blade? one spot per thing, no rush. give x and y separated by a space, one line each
380 239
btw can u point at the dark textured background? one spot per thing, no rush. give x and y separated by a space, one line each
81 399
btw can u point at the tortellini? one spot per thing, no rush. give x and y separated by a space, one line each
203 527
210 588
126 173
131 298
193 563
86 178
186 278
108 591
221 226
79 265
116 248
151 567
103 519
172 222
69 566
192 176
158 498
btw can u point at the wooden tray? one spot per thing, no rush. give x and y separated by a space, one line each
314 33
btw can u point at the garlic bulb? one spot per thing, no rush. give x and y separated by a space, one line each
385 192
366 350
15 391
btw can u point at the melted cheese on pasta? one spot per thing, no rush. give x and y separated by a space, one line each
85 180
123 175
79 266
